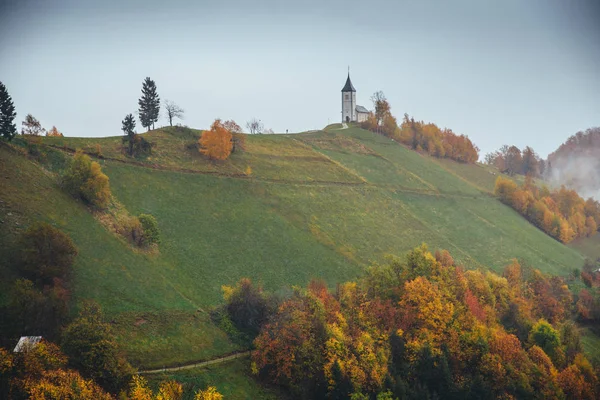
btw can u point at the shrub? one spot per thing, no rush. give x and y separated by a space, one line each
131 229
151 233
84 179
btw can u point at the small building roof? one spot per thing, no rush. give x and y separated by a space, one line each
348 86
361 109
27 343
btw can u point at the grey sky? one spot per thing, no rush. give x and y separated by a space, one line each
513 71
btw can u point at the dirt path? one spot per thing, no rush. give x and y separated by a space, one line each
199 364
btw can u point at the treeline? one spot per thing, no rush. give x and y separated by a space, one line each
420 328
561 213
420 136
511 160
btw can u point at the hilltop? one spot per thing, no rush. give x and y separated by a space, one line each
288 208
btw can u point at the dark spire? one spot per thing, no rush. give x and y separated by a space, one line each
348 86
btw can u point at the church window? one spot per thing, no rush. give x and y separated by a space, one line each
346 96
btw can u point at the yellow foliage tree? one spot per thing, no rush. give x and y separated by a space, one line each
217 142
54 132
64 385
210 393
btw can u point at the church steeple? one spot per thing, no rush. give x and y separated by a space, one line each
348 86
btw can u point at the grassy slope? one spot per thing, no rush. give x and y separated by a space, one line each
231 379
320 204
589 247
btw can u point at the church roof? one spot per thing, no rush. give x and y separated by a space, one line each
361 109
348 86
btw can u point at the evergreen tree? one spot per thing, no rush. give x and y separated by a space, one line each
8 130
149 104
129 131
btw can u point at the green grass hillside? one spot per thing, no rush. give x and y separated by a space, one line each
320 204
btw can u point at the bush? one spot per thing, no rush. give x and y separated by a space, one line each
151 233
46 253
131 229
84 179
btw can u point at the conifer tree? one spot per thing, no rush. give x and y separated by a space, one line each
8 130
129 131
149 104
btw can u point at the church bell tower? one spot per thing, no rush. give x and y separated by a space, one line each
348 101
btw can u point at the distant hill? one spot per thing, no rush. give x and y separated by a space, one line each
576 163
289 208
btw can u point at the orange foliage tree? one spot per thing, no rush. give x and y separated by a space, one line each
54 132
561 213
216 143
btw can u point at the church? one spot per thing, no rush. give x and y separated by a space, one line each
350 111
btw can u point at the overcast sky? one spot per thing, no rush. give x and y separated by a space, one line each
502 72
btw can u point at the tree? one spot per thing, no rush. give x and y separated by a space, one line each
84 179
210 393
149 104
382 106
129 131
513 160
8 130
31 126
246 305
54 132
255 126
216 143
239 139
92 349
46 253
173 111
64 384
530 163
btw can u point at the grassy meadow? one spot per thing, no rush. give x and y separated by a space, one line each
289 208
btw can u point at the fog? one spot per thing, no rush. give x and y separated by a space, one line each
580 172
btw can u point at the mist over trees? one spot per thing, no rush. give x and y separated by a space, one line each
576 163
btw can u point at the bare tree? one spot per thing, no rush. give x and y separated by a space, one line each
31 126
255 126
173 111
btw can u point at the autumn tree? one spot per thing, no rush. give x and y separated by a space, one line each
530 163
54 132
31 126
247 306
513 160
92 349
255 126
128 128
8 130
149 104
217 142
173 111
210 393
381 105
84 179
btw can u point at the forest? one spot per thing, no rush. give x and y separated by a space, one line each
420 327
561 213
